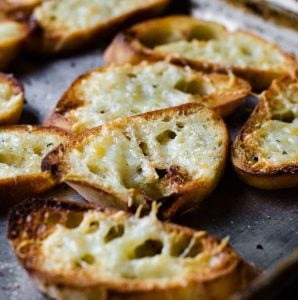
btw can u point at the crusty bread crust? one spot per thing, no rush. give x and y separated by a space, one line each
18 9
245 153
15 188
10 47
226 93
50 40
11 114
132 45
188 193
29 226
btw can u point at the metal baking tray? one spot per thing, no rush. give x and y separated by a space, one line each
262 225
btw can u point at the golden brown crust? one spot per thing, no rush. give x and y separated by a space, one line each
222 102
10 47
272 176
132 46
29 225
187 195
46 41
19 187
18 9
12 114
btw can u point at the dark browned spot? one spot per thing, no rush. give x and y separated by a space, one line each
164 137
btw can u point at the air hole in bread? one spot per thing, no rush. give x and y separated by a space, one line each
195 247
148 249
179 246
87 259
287 117
161 173
192 87
180 125
37 149
164 137
255 158
93 168
114 233
74 219
53 218
131 75
246 51
144 148
93 227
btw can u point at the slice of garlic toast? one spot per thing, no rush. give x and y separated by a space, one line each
203 45
12 35
11 99
74 251
22 148
265 153
65 25
174 156
112 92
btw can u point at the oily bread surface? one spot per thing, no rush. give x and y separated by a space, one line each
111 92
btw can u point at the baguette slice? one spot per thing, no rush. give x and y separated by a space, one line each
11 99
66 25
21 150
174 156
265 153
12 35
204 45
78 252
18 8
108 93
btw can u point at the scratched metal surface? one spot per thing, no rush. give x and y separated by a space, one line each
262 226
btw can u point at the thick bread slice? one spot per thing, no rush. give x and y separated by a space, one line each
108 93
21 150
11 99
203 45
78 252
12 34
265 153
174 156
18 8
66 25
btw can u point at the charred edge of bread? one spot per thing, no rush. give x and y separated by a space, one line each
28 222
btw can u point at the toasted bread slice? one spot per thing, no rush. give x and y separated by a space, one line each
21 150
174 156
265 153
12 34
203 45
65 25
79 252
18 8
108 93
11 99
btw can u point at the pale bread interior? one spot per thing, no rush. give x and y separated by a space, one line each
275 141
235 49
151 158
8 97
72 15
9 31
21 151
129 90
118 247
